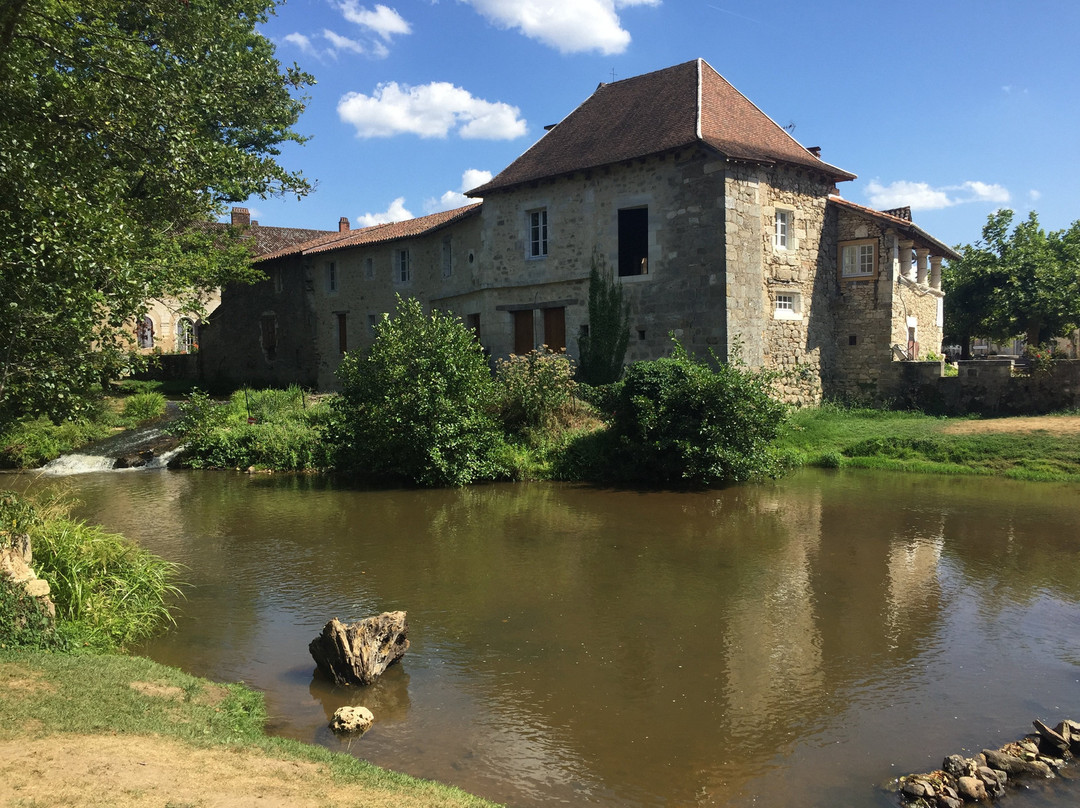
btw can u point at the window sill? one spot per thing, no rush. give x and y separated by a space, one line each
784 314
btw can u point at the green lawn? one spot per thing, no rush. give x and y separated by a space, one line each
834 437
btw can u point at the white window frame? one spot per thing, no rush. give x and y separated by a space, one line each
402 266
787 305
858 260
537 229
783 219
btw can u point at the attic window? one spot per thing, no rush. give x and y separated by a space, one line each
633 241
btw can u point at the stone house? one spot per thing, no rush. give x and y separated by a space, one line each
167 327
722 229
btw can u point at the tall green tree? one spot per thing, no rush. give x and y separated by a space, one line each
602 350
123 123
1016 281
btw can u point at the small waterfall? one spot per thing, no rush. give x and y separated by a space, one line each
145 448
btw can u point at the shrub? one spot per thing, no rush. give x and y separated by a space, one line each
144 407
417 406
680 420
34 442
274 429
533 389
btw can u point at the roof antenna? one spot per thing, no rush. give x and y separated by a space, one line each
613 75
790 127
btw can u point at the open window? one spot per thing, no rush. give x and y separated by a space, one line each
633 241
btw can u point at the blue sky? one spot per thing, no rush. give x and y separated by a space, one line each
954 107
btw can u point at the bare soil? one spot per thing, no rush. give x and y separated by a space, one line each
126 771
1058 424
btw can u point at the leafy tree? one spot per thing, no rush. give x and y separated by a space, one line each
603 349
418 405
1026 281
122 124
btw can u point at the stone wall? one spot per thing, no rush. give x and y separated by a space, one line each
262 334
681 292
986 386
792 341
872 315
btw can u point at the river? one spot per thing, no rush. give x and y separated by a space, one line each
795 643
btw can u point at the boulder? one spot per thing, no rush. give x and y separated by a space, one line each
1013 765
352 720
971 789
358 653
1052 741
958 765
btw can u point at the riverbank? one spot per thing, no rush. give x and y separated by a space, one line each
1039 449
113 730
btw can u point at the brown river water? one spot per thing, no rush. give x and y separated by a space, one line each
795 643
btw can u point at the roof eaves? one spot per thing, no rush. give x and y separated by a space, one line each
366 233
904 225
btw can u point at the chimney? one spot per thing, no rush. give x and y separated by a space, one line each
343 225
241 217
814 150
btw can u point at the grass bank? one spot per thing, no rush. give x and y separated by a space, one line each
31 442
1036 449
114 730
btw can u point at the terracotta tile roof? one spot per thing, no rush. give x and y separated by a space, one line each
674 108
904 225
378 233
266 240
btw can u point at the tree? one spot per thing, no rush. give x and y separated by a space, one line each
418 406
603 349
123 124
1023 282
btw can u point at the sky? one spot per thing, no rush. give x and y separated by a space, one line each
955 107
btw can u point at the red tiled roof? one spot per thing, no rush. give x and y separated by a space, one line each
677 107
900 223
266 240
377 234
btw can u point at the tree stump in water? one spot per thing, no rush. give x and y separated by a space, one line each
358 653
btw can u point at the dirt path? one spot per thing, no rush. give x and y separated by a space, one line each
1059 424
135 771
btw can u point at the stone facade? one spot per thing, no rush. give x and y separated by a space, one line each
754 256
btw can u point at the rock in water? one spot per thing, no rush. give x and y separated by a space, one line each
358 653
352 719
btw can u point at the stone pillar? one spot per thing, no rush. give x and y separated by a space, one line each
907 269
935 272
921 255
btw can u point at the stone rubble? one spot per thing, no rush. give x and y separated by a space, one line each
963 780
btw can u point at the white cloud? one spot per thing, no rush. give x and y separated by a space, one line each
570 26
923 196
430 110
1034 195
340 42
381 20
397 212
472 178
301 41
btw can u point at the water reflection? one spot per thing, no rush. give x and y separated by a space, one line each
629 648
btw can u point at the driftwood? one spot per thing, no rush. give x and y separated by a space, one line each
358 653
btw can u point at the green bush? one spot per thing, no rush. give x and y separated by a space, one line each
680 420
533 389
144 407
417 406
276 429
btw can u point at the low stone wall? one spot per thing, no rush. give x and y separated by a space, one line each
986 386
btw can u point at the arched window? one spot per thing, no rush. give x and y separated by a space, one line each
146 332
185 336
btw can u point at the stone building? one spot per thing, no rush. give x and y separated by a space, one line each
722 229
168 327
